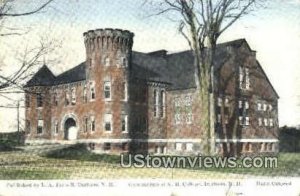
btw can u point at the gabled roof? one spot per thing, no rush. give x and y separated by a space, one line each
72 75
176 69
44 77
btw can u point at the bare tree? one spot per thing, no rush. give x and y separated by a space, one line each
30 57
202 22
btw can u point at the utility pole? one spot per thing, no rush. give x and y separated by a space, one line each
18 121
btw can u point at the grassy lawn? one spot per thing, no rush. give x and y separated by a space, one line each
76 162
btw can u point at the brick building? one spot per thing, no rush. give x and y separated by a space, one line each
120 100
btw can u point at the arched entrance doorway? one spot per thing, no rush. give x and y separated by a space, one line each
70 129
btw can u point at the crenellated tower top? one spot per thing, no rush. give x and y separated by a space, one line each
108 39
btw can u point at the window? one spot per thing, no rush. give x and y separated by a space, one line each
107 146
271 122
39 100
92 90
92 125
178 146
107 62
107 90
108 122
265 107
259 106
84 94
27 100
260 122
247 78
219 118
155 97
189 147
241 120
247 121
86 122
124 123
40 126
124 62
189 118
266 122
56 127
244 78
124 91
55 101
177 118
219 101
177 102
246 105
188 100
270 107
226 102
226 119
163 103
240 104
67 97
73 96
28 127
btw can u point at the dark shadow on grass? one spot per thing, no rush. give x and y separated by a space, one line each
81 153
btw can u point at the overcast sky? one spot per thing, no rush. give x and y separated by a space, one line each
273 32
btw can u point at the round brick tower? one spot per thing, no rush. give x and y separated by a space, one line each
108 61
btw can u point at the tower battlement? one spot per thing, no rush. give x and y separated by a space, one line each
108 39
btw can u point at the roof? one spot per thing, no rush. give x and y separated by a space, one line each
44 77
176 69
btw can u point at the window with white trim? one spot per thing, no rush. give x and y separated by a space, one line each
189 118
73 96
56 127
270 107
85 94
244 79
177 118
188 100
107 62
219 101
40 126
265 106
92 124
271 122
163 103
260 123
247 121
259 106
177 102
156 100
39 100
108 122
124 123
55 101
266 121
107 90
219 119
240 104
92 90
86 124
124 91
